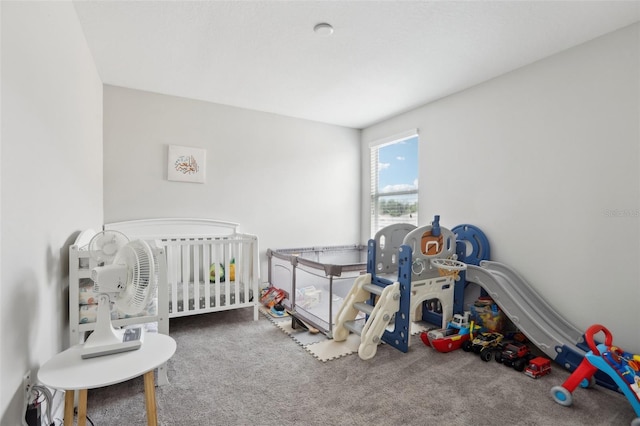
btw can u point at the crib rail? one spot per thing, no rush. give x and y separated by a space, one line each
211 274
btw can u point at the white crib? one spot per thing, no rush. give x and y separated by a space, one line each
188 248
191 247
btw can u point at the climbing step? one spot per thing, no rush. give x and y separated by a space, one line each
364 307
355 326
374 289
373 329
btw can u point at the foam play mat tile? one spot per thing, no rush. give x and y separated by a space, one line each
330 349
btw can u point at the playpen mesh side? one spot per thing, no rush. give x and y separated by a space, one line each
316 279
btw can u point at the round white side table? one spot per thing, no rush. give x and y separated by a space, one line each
68 371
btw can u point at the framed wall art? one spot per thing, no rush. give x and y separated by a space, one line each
186 164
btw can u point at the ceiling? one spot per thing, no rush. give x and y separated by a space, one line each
383 58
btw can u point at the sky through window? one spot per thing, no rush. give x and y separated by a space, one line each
398 166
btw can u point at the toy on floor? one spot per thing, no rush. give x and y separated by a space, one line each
278 310
514 354
538 367
623 367
488 315
484 344
272 296
448 339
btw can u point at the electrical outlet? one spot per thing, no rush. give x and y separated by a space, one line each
26 387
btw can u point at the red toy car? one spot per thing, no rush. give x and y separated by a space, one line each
538 367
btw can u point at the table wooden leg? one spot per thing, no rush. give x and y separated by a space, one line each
150 398
68 407
82 408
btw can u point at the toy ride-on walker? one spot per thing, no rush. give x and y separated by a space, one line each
622 367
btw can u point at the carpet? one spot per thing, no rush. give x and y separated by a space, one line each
231 370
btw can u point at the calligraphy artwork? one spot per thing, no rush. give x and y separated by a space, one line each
186 164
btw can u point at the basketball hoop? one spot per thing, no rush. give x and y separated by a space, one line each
449 267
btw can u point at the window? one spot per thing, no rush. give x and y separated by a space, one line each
394 181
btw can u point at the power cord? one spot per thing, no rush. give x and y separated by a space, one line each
33 410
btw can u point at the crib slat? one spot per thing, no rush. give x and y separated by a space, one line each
240 290
172 275
239 276
195 267
233 251
184 250
206 264
250 278
214 259
226 254
246 279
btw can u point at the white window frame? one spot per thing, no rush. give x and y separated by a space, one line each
374 176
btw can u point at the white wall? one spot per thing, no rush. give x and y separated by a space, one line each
291 182
545 160
51 180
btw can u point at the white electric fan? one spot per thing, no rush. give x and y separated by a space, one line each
129 281
104 246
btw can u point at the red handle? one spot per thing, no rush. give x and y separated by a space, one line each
592 331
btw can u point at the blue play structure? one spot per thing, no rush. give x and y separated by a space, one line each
408 250
403 256
405 267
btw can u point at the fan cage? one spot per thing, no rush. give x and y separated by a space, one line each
142 279
104 246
